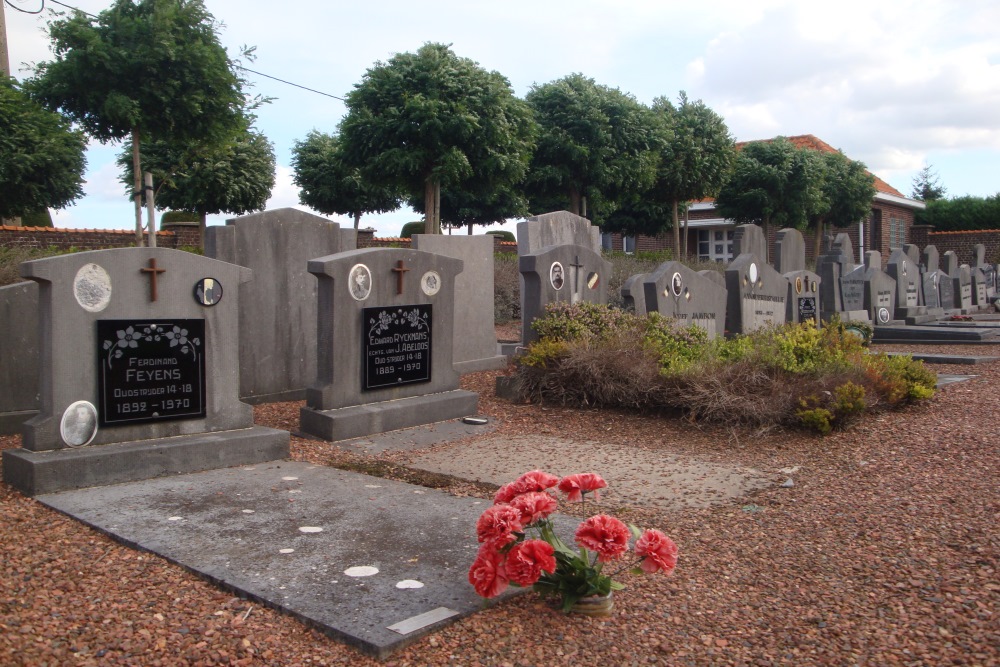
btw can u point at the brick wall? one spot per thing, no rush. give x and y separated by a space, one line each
90 239
964 242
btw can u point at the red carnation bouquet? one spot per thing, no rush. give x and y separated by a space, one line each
520 546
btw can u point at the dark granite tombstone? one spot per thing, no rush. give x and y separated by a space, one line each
803 304
750 239
790 251
879 290
633 295
139 371
756 295
386 324
676 291
930 278
18 355
906 273
836 262
560 273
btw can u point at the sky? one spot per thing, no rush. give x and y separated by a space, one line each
896 84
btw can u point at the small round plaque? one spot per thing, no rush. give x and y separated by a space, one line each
208 291
79 424
798 285
556 275
752 273
593 280
430 283
883 315
92 288
359 282
676 283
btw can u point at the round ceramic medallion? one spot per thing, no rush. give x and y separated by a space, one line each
557 276
883 315
676 283
752 273
359 282
79 424
92 288
430 283
208 291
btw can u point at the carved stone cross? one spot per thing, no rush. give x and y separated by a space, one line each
153 271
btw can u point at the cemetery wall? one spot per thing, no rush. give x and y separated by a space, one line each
962 243
90 239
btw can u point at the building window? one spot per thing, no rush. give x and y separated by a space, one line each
715 245
897 233
628 244
607 241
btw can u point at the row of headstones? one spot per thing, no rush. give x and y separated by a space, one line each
560 261
279 311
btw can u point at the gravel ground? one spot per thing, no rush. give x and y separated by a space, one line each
884 552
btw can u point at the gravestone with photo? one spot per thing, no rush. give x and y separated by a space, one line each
560 273
475 336
139 371
756 295
836 262
278 307
386 330
879 291
956 283
903 267
983 280
802 304
676 291
930 278
18 355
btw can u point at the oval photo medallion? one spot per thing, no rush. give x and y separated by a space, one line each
813 286
798 285
208 291
430 283
92 288
752 273
556 276
883 315
79 424
676 283
359 282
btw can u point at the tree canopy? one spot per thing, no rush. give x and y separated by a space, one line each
41 157
429 121
328 184
927 185
150 69
846 193
594 142
961 213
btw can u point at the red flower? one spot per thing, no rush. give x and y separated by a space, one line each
487 574
529 482
498 524
527 559
658 552
574 486
534 506
604 534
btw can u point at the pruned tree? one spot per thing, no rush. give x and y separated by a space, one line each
467 205
927 185
42 159
696 157
145 69
328 184
846 193
596 144
425 122
234 175
961 213
772 182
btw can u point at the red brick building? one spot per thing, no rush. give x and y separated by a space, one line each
710 236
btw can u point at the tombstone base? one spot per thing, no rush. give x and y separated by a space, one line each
34 473
848 316
360 420
280 397
484 364
11 422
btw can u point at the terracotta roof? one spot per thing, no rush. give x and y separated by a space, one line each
812 142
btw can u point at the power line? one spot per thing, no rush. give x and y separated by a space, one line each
245 69
25 11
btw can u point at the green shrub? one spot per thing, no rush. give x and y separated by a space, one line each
179 216
506 288
504 235
411 228
676 347
37 219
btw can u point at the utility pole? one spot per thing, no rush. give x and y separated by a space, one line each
4 58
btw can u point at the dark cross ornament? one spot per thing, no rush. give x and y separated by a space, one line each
576 274
153 272
399 270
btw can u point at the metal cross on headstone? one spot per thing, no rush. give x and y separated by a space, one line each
153 272
399 270
576 274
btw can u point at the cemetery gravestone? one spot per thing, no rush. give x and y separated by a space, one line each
906 273
930 277
557 228
139 368
983 285
18 355
879 290
278 307
803 302
475 337
633 294
750 239
790 251
965 289
385 335
676 291
756 295
837 262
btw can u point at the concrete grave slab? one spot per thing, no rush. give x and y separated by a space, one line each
557 228
676 291
19 399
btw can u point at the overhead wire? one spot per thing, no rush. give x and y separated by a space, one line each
25 11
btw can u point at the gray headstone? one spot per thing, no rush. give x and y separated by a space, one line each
790 251
906 273
750 239
803 303
843 247
139 371
756 295
633 294
18 355
947 291
879 290
949 263
278 312
717 277
676 291
852 287
475 336
386 343
929 286
560 273
978 255
930 259
979 298
965 287
557 228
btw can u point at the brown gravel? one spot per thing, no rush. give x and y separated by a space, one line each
884 552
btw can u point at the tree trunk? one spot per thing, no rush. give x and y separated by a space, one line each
202 226
357 220
677 231
818 245
137 186
147 190
437 207
432 205
687 211
470 229
574 201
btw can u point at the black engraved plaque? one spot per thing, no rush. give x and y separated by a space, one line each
396 342
807 309
150 370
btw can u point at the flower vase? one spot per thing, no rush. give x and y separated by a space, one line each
594 605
